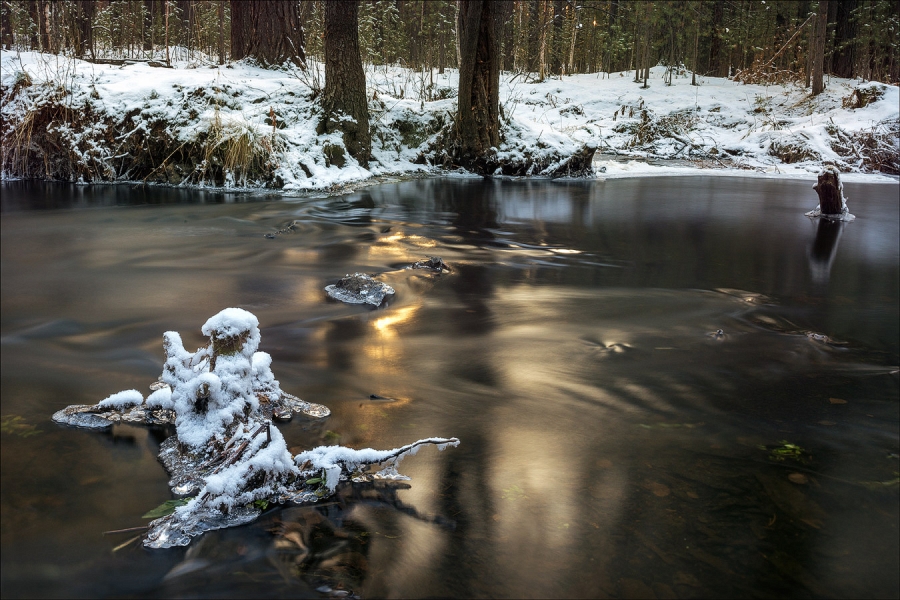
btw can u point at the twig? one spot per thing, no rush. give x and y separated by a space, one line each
128 530
242 447
123 544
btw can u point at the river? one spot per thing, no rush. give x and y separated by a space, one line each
663 387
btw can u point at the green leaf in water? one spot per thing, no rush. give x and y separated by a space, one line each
16 425
166 508
313 480
261 504
785 450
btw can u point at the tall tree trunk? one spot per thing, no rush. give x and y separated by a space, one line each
47 27
267 30
696 46
220 7
6 35
34 11
818 81
148 26
345 81
845 32
478 120
85 20
717 66
544 8
570 65
187 21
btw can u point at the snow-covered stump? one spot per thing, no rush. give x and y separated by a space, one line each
832 202
830 189
226 454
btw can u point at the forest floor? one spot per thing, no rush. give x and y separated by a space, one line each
239 125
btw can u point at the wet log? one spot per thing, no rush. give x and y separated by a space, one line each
829 190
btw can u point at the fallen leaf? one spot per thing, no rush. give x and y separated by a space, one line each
604 463
827 423
837 401
693 495
798 478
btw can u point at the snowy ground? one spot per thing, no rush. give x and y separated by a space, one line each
721 126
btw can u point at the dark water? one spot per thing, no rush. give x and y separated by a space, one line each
611 447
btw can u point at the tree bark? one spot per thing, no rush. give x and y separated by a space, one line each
478 119
345 81
34 11
818 80
717 66
85 19
148 26
845 33
829 190
268 31
220 7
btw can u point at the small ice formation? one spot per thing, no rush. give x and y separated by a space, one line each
433 263
359 288
830 185
226 454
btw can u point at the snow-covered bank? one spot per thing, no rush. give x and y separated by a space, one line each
243 126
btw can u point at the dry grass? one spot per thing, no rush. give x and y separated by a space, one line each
236 151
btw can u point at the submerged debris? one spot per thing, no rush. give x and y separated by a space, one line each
434 263
226 453
359 288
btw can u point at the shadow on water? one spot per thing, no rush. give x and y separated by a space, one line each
823 250
33 195
663 388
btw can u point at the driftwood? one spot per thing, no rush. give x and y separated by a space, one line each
829 190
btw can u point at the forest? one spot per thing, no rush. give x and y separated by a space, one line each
348 56
759 39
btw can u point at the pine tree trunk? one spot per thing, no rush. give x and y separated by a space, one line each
34 11
220 7
478 119
148 26
542 43
345 81
268 31
85 18
6 35
818 82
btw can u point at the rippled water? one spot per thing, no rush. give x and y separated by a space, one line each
614 442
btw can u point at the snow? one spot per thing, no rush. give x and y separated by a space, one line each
122 399
161 398
333 460
722 125
234 322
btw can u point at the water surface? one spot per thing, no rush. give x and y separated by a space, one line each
613 444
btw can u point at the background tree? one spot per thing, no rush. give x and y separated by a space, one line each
818 83
478 118
346 107
267 30
751 40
